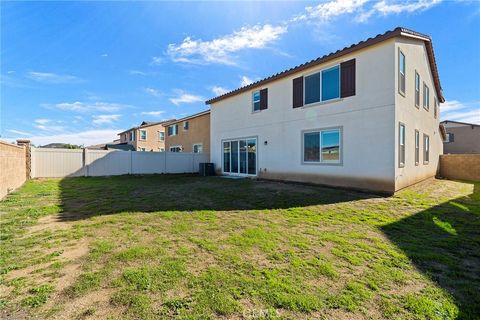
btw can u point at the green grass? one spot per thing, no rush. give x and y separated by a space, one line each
179 246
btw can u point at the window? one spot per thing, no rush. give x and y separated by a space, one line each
401 145
417 147
161 135
401 72
322 86
132 135
426 97
198 148
143 134
435 107
322 146
176 149
426 149
185 125
417 89
256 100
450 137
173 130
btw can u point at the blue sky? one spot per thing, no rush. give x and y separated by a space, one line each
80 72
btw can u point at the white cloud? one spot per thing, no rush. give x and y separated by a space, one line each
156 61
42 121
104 55
327 10
220 50
385 8
458 111
105 118
137 72
47 77
218 91
186 98
152 113
87 106
22 133
50 127
10 72
153 92
245 81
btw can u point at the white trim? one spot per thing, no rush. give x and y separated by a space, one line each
140 135
197 144
321 161
175 146
259 101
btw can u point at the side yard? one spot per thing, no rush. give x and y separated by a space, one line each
180 246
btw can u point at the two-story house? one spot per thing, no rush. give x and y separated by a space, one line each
461 137
363 117
148 136
189 134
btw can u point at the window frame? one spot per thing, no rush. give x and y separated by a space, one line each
161 135
417 92
426 148
426 97
254 101
417 147
401 162
143 139
175 147
321 161
174 130
404 92
320 71
185 125
197 144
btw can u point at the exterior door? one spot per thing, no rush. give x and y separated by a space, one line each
240 156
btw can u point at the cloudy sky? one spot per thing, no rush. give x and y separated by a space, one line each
79 72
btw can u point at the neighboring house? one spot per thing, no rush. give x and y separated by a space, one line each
189 134
362 117
148 136
61 146
461 137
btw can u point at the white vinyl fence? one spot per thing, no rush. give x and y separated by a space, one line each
49 163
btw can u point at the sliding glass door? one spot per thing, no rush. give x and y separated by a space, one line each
240 156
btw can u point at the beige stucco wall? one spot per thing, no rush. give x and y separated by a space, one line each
367 120
466 140
152 143
415 118
460 166
198 132
12 167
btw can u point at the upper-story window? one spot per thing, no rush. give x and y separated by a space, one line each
256 100
450 137
322 86
426 97
132 135
185 125
417 89
143 134
161 135
401 72
173 130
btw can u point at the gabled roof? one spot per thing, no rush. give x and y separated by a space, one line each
145 124
446 122
187 117
397 32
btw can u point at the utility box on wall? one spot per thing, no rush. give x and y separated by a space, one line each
206 169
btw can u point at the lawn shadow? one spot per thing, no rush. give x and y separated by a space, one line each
84 197
443 242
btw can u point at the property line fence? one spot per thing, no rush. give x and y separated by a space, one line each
49 163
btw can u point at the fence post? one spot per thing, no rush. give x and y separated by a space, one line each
131 163
28 156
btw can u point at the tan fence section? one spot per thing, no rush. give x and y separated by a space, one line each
47 163
12 167
460 166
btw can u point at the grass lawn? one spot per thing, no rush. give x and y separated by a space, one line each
186 247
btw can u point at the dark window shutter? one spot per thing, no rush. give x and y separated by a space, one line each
347 78
263 99
298 92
